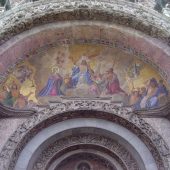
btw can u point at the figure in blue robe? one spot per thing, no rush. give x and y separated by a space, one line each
153 101
162 89
52 87
77 74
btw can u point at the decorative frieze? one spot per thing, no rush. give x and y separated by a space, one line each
86 139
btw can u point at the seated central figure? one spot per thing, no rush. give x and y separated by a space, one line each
81 75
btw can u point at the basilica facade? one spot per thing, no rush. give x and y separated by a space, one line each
84 85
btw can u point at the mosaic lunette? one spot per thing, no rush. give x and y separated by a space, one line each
87 71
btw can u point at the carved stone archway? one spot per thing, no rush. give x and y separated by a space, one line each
86 109
138 26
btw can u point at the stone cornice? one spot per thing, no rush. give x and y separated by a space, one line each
163 111
8 112
65 104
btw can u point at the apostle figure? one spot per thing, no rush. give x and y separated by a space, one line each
135 99
53 86
6 96
162 90
150 100
112 85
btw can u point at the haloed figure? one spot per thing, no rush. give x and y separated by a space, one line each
53 86
81 75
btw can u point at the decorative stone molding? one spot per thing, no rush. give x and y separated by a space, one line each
31 14
126 158
86 163
64 104
7 112
163 111
60 111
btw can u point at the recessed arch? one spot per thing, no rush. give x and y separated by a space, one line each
45 118
25 156
115 164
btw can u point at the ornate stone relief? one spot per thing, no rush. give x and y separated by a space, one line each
28 15
87 161
6 112
58 111
87 139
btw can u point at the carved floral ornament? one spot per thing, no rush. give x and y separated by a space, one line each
80 108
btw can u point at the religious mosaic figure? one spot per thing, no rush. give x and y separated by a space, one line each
135 99
6 97
83 81
154 92
81 75
113 85
53 86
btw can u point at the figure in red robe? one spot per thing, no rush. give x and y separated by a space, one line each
53 86
112 85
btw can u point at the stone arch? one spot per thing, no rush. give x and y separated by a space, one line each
84 109
120 12
152 31
114 163
84 138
